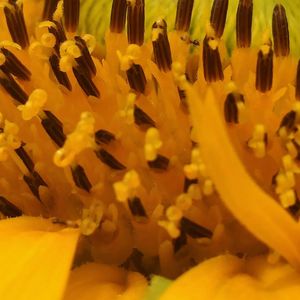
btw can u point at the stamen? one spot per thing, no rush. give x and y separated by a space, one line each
109 160
288 121
193 229
86 83
71 14
61 77
212 65
244 23
14 66
85 61
59 33
141 118
49 9
136 207
184 14
298 82
9 209
34 181
280 31
104 137
218 16
188 182
161 163
179 242
118 16
12 88
25 158
54 128
264 69
161 46
16 24
231 108
136 21
80 178
136 78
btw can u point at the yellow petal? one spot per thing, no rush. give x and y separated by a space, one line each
35 258
246 200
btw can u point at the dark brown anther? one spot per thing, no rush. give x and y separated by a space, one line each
71 14
25 158
34 181
14 66
49 9
136 78
160 163
264 70
244 23
59 34
136 21
141 118
16 24
104 137
86 83
8 209
288 121
231 112
61 77
179 242
109 160
188 183
184 15
136 207
80 178
218 16
212 66
12 88
298 82
54 128
118 16
85 61
280 28
193 229
161 46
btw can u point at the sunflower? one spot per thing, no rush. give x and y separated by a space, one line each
160 139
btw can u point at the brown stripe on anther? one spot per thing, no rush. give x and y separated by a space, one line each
160 163
244 23
212 66
34 181
136 207
8 209
61 77
16 24
25 158
118 16
136 78
109 160
141 118
193 229
288 121
59 34
71 14
184 14
80 178
12 87
280 31
264 71
179 242
188 183
14 66
136 21
218 16
161 46
49 9
104 137
298 82
85 61
86 83
54 128
231 109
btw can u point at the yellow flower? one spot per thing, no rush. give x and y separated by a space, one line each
171 142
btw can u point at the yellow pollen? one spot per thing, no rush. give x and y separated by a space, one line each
257 142
48 40
128 111
174 214
8 139
184 201
152 144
